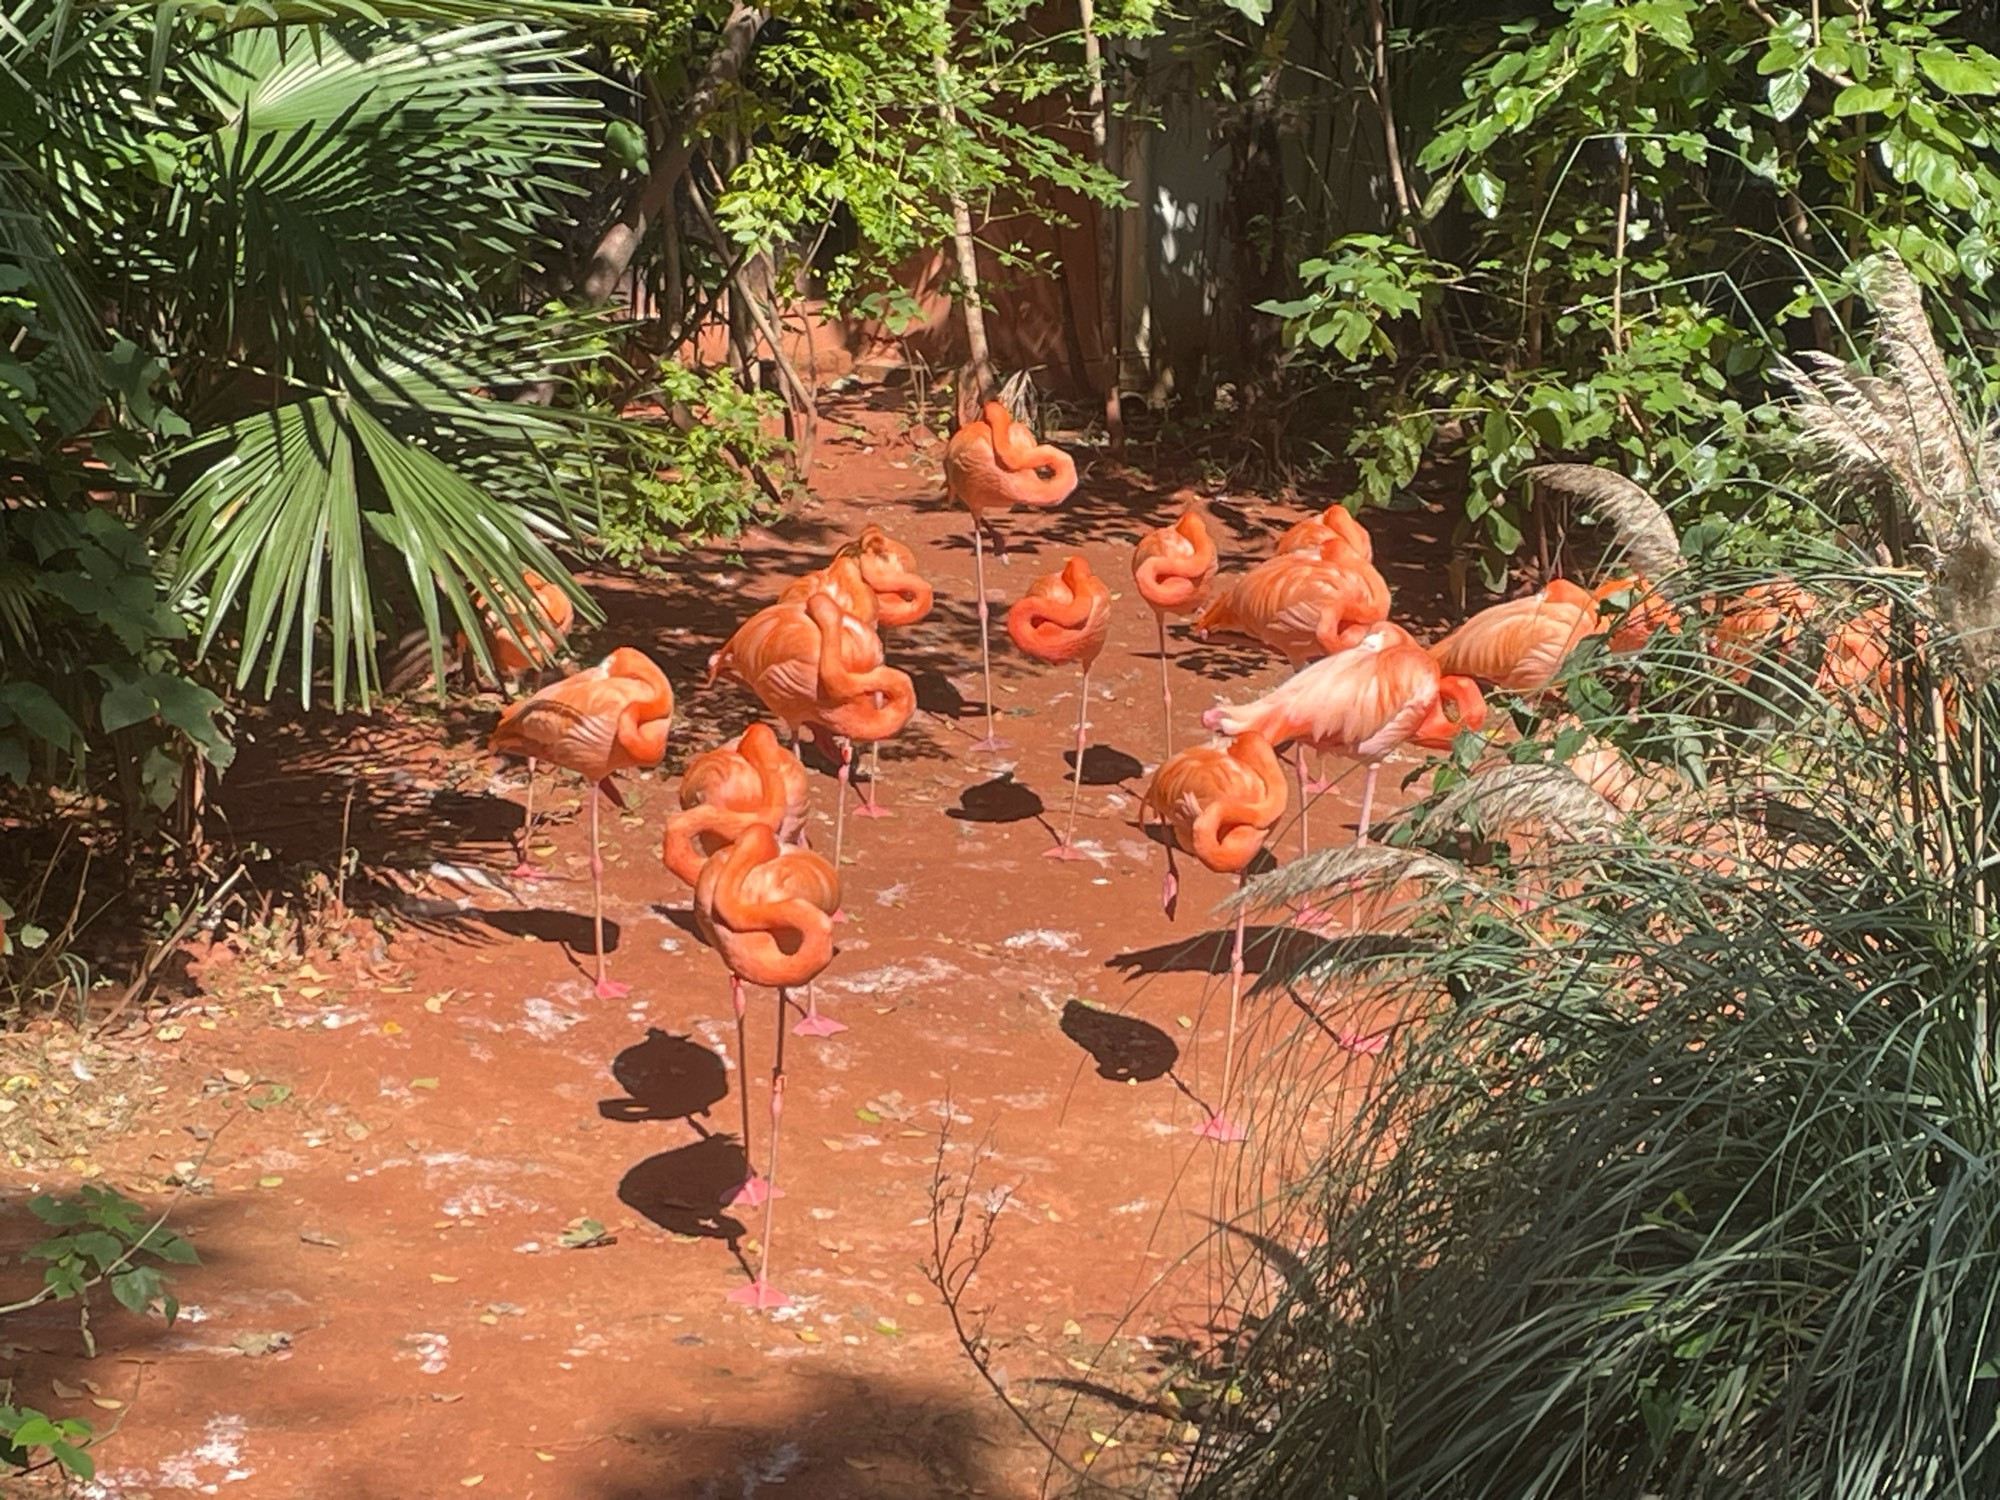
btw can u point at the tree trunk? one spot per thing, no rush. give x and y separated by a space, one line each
976 381
1107 251
620 243
1254 214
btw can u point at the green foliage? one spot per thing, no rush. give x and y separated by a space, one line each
1654 192
689 469
102 1237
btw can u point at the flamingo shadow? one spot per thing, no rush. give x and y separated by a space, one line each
562 927
666 1077
1001 800
1104 765
684 1190
1125 1048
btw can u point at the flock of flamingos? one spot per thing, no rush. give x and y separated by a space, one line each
1361 688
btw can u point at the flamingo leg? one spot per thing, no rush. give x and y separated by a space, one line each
1305 798
760 1293
1170 888
1367 806
1166 688
1218 1126
992 740
813 1023
753 1190
840 800
869 807
524 870
607 988
1065 849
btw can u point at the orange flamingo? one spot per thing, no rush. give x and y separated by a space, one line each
844 580
990 464
518 647
1334 524
820 669
1300 604
770 915
1065 617
723 791
1646 613
1520 646
1219 804
1764 612
1381 691
1174 566
608 718
902 598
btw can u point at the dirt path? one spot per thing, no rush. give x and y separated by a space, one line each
458 1097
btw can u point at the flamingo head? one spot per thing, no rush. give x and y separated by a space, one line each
1460 707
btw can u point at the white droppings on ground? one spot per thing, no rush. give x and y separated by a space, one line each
221 1448
333 1020
892 895
544 1021
1022 1101
279 1160
1044 940
774 1468
670 945
1136 1206
479 1201
190 1313
897 976
431 1350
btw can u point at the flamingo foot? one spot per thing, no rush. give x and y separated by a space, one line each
839 915
1220 1129
752 1193
1170 893
1315 918
1366 1046
870 810
815 1024
759 1294
526 871
1314 785
992 742
612 989
1064 851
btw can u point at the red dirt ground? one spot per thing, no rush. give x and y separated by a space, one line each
457 1099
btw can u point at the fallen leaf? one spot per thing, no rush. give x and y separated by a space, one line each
807 1336
423 1083
109 1403
830 1143
439 1279
236 1076
319 1237
170 1033
471 1479
435 1005
863 1464
390 1028
65 1392
1186 1023
547 1458
310 991
915 1299
868 1116
256 1345
354 1130
270 1182
277 1093
488 1319
1077 1364
1072 1329
585 1234
888 1326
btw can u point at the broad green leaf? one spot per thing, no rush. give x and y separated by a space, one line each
1861 99
1972 71
1486 190
1787 92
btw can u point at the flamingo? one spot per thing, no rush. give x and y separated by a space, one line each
990 464
770 915
518 647
608 718
1778 609
844 580
1174 567
724 790
1219 803
1646 612
1520 646
902 598
1334 524
819 668
1381 691
1298 604
1065 617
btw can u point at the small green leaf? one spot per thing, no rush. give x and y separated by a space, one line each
1787 92
1485 190
1862 99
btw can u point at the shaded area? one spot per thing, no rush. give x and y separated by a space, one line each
684 1190
1001 800
568 929
1104 765
665 1077
850 1438
1264 948
1125 1048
